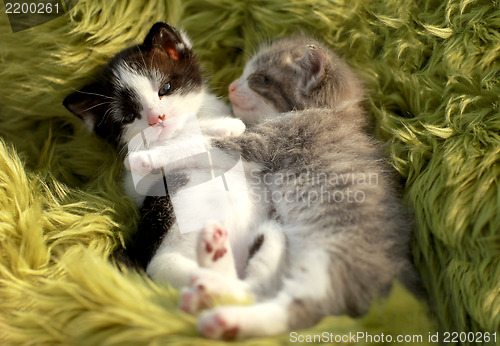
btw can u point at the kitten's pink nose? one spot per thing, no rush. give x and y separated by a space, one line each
155 118
232 87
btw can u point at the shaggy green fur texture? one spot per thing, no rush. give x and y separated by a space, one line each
431 68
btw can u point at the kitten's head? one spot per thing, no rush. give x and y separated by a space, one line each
141 86
292 74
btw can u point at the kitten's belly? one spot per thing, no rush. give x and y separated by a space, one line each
248 207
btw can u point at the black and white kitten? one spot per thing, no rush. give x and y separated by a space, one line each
329 233
151 89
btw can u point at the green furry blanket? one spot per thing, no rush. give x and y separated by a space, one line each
431 68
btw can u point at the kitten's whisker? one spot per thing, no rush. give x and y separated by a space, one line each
123 149
142 55
152 59
97 105
95 94
247 54
104 116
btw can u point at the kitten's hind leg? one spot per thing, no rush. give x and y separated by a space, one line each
305 298
240 322
267 255
175 258
217 276
208 287
263 275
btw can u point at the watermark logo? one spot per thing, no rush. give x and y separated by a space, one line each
310 187
204 186
26 14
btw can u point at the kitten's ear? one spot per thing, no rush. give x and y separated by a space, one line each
313 64
172 41
85 104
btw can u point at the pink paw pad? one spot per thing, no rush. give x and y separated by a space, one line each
213 243
186 302
218 254
216 327
195 299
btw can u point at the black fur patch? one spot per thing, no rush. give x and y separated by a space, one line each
157 217
257 244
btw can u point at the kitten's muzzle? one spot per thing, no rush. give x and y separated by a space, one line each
233 86
155 118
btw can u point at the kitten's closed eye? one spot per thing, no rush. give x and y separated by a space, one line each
261 79
165 90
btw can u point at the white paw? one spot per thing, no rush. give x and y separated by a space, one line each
221 324
230 127
202 291
139 162
208 287
193 300
237 127
213 245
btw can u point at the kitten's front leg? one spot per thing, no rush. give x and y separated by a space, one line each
140 162
146 162
222 127
175 155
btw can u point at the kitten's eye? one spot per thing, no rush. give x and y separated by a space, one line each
260 78
165 89
129 117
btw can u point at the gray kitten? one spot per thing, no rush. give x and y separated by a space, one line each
330 233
